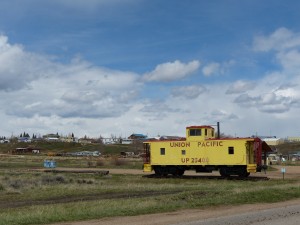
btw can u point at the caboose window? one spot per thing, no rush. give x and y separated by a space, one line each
230 150
182 152
195 132
162 151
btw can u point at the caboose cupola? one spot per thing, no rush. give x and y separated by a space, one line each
199 132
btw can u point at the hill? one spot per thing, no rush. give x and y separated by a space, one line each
64 147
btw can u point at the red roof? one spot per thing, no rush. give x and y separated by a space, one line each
204 126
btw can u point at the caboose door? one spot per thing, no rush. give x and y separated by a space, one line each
249 152
146 153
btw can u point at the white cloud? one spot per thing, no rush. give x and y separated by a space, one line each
277 91
268 102
290 61
188 92
18 68
285 44
215 68
39 87
172 71
240 86
211 68
278 40
158 110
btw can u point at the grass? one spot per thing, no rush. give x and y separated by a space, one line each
32 161
54 198
41 198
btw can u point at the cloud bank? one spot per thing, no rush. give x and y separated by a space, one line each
41 95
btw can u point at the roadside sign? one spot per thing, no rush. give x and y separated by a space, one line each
283 172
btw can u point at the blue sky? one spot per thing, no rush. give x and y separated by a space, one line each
102 67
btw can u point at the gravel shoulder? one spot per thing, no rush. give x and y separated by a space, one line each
190 217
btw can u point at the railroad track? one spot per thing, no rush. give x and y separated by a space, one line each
207 177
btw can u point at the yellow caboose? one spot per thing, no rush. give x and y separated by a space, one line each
203 152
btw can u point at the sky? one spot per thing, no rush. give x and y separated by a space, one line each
117 67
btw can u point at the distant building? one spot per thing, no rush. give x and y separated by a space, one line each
24 139
68 139
111 140
126 141
4 141
51 137
86 140
137 137
293 139
273 140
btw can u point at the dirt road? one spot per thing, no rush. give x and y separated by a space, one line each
254 214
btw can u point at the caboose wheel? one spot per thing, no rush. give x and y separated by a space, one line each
244 174
161 171
180 172
158 171
223 172
177 172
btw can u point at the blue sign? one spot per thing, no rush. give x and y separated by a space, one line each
49 164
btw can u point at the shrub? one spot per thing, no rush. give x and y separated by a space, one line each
16 184
90 164
83 181
100 162
118 162
59 179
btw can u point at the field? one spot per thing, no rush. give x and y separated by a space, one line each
30 196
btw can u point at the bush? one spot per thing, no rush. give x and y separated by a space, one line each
1 187
59 179
100 162
16 184
90 164
118 162
83 181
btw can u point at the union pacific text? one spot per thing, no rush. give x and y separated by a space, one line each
180 144
210 143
